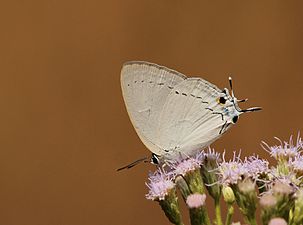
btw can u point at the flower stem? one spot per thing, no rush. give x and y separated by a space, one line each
199 216
230 212
252 221
207 220
170 207
218 212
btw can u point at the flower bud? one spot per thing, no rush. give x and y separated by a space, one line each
278 203
246 197
197 211
162 189
194 181
189 169
246 186
282 188
195 200
228 195
170 207
277 221
210 174
268 201
182 186
235 223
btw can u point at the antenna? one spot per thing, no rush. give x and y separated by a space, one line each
242 100
231 86
251 109
145 159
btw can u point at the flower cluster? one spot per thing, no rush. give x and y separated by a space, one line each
160 183
285 149
249 183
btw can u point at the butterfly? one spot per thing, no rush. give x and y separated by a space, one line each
175 115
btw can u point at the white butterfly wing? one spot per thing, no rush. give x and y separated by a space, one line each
145 88
191 118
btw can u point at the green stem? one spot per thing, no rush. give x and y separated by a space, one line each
230 212
207 220
218 213
170 207
252 221
199 216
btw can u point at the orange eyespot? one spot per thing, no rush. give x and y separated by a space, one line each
221 100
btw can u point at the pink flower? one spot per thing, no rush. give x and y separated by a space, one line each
297 163
195 200
283 188
190 164
268 200
160 183
247 185
277 221
255 166
231 172
212 154
285 149
289 179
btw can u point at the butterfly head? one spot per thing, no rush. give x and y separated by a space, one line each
231 103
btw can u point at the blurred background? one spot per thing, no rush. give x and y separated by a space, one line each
64 127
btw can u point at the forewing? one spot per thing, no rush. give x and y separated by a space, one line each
145 88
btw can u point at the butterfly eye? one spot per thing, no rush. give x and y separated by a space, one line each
235 119
222 100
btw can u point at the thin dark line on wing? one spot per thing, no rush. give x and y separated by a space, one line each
218 113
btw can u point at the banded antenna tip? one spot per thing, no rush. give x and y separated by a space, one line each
243 100
231 86
251 109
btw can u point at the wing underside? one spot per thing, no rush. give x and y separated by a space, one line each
191 118
145 88
169 111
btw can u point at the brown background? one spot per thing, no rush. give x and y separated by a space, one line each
63 125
